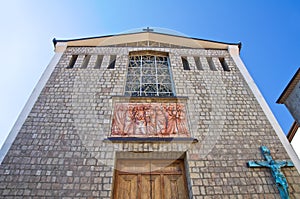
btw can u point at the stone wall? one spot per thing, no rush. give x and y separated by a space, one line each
293 102
63 149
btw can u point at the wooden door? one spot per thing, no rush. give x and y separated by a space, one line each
127 187
150 179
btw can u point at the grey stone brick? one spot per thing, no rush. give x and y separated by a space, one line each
60 150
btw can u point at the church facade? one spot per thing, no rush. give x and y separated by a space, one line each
147 114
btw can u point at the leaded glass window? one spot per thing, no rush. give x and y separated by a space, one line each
149 75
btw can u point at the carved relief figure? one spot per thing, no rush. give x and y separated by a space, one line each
176 120
171 122
140 118
119 120
129 121
150 116
149 119
160 120
181 120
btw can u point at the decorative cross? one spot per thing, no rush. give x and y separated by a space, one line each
275 166
148 29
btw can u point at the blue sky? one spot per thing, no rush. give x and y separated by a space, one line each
269 32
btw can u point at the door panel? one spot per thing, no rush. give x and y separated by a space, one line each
150 179
174 187
133 166
150 187
127 187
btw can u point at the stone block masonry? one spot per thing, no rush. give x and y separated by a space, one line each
62 149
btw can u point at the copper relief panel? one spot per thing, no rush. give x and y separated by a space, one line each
149 120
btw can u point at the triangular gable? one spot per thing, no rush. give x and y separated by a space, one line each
151 39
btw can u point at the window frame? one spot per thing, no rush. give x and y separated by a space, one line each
157 85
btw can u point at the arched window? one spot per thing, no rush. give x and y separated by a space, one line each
149 75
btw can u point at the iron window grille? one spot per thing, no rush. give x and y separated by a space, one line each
149 75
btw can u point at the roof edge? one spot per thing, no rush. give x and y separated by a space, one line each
288 89
292 131
55 41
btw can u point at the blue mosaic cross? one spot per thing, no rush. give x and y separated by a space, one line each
275 166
